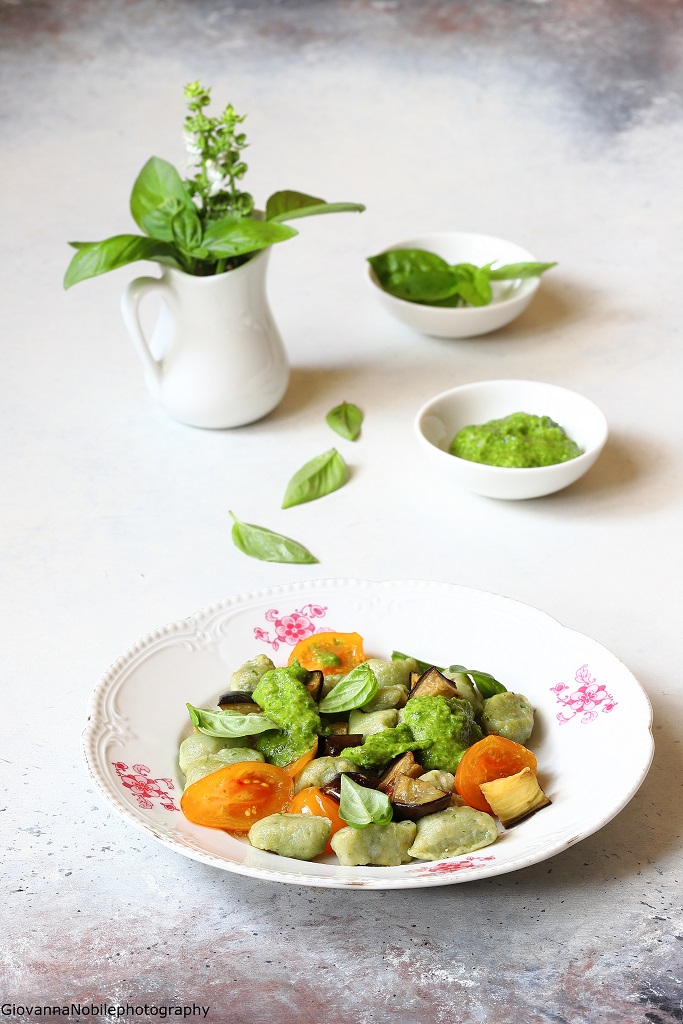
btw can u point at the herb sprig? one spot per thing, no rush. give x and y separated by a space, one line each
205 223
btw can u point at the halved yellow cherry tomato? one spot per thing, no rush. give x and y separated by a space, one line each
236 796
329 652
313 801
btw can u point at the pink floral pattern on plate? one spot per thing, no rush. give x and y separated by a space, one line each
292 627
144 789
585 700
448 867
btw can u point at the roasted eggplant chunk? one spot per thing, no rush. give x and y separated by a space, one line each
242 702
413 798
333 787
403 765
335 745
314 683
515 798
432 684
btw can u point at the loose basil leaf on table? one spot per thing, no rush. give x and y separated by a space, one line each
322 475
228 723
353 691
93 258
487 685
346 420
360 806
258 542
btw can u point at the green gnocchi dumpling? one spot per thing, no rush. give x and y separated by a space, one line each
451 832
321 770
387 697
381 845
393 673
302 836
509 715
247 677
375 721
198 747
221 759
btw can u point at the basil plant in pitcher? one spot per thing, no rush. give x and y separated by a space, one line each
216 358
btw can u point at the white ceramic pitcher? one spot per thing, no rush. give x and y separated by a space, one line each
215 358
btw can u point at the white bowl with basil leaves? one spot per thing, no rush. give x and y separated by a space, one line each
479 403
455 284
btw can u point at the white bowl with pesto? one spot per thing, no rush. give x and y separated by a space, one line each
510 298
440 419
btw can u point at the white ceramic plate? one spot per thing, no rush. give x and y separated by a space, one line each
589 710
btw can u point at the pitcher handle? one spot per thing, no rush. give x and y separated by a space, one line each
130 307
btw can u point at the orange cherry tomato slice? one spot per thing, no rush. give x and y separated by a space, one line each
329 653
494 757
313 801
236 796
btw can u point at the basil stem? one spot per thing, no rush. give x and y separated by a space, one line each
228 723
345 420
257 542
353 691
360 806
322 475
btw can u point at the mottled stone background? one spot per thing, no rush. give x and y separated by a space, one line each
556 124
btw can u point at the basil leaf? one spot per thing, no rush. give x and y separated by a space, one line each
158 193
187 230
257 542
353 691
93 258
228 723
287 205
486 684
512 271
360 806
414 274
235 236
322 475
346 420
423 665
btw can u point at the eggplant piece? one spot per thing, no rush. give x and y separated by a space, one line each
241 702
433 684
314 683
515 798
413 798
335 745
337 728
333 787
403 765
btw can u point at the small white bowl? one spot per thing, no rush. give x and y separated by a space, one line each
439 420
510 298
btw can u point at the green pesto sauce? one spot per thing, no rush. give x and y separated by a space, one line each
286 701
381 747
443 729
518 441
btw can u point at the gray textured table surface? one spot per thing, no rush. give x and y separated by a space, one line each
555 125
